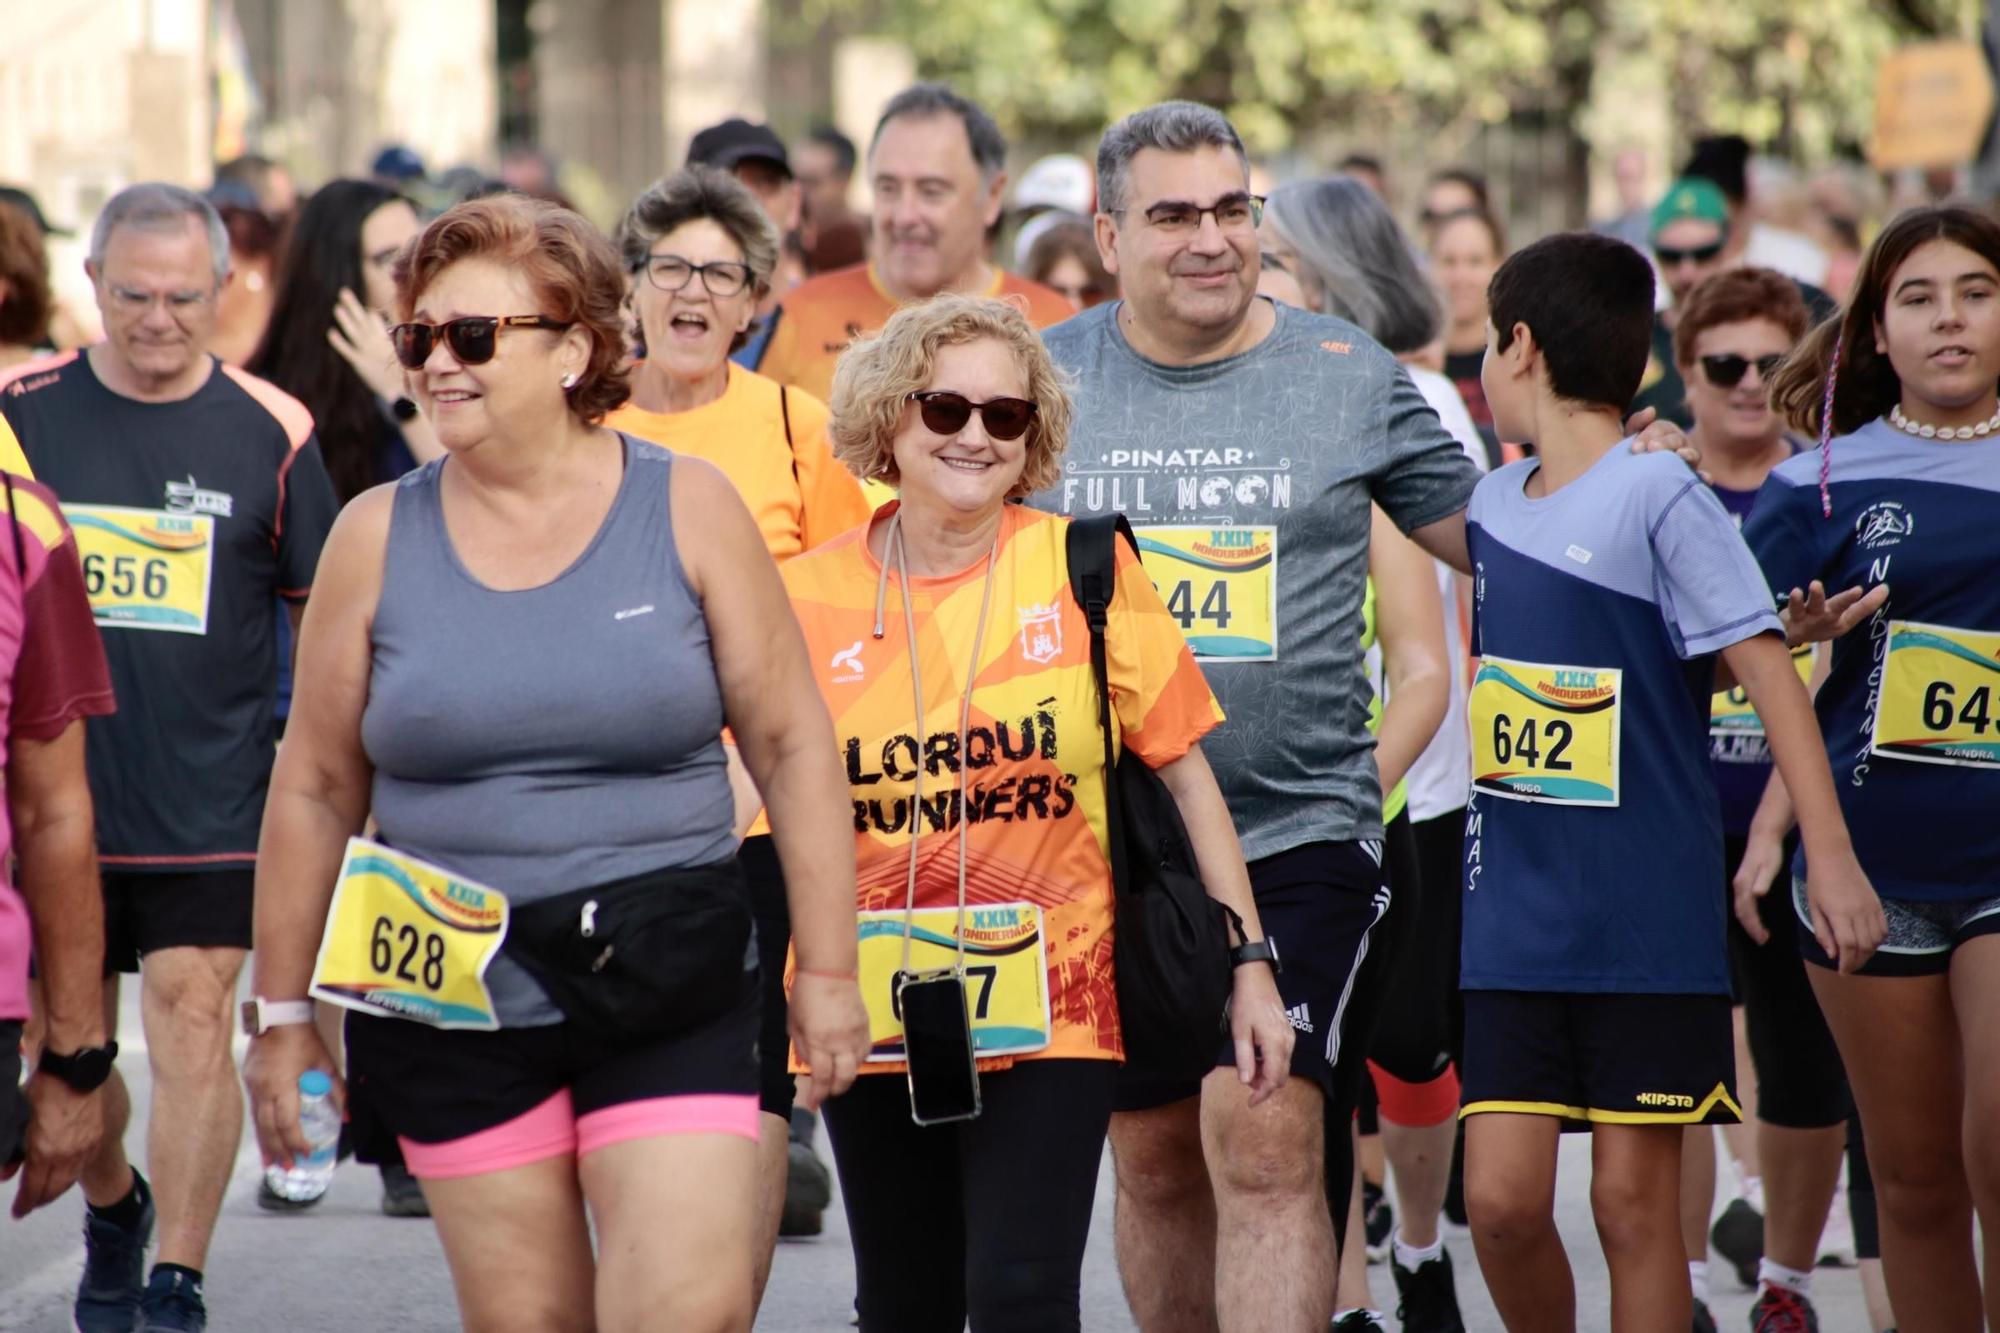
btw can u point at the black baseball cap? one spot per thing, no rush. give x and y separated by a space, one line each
16 197
735 141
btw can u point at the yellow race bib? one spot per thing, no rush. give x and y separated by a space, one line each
1006 973
1730 713
405 939
1940 701
1545 733
1221 585
145 568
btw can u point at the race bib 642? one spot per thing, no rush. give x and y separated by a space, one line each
1545 733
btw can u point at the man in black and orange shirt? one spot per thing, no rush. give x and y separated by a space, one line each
937 166
198 498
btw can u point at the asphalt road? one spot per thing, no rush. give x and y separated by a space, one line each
346 1267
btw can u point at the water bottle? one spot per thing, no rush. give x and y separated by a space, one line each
319 1119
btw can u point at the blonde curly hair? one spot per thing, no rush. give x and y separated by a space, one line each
876 376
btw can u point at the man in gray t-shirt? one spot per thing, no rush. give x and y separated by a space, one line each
1245 444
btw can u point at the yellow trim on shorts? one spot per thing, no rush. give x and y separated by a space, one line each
1719 1097
1556 1109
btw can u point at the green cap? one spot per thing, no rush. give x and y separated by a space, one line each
1690 197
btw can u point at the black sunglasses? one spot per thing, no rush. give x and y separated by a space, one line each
472 340
1700 254
945 413
1725 371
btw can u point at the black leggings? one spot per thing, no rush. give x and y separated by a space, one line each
1801 1083
984 1219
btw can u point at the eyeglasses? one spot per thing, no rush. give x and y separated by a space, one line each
1700 254
670 273
1232 212
132 300
1725 371
473 340
945 413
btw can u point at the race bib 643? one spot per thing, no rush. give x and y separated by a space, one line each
1940 701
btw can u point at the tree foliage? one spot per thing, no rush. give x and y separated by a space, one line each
1799 76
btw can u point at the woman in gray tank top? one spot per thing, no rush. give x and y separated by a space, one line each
520 658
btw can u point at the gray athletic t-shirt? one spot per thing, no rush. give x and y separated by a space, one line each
1248 480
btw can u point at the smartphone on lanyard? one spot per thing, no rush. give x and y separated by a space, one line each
937 1043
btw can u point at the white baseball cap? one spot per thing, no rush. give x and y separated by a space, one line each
1061 180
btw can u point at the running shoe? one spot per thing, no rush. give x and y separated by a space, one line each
808 1191
402 1196
114 1272
1429 1296
273 1202
1378 1219
172 1304
1738 1236
1704 1322
1780 1311
1360 1321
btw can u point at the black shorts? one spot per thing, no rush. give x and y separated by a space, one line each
759 858
13 1105
206 909
433 1086
1922 936
1322 905
1600 1059
1801 1083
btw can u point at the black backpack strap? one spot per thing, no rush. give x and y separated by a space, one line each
785 411
1093 580
20 547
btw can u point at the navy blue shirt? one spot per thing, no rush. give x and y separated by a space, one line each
1922 798
1599 608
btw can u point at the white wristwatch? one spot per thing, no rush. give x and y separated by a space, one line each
261 1015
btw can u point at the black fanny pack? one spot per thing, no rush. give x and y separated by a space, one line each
643 957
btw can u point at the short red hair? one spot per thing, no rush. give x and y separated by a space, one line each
569 263
1736 296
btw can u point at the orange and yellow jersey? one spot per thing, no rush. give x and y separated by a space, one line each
770 441
1033 756
827 313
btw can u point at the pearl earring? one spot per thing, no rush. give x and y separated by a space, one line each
569 381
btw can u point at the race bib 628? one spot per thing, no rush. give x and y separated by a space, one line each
1221 585
1545 733
145 568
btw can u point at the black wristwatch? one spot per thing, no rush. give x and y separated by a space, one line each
1257 951
84 1070
403 409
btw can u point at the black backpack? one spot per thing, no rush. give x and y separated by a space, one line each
1171 943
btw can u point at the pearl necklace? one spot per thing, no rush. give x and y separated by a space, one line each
1930 432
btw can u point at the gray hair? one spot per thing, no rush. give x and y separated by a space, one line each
689 195
1366 270
920 101
158 206
1171 127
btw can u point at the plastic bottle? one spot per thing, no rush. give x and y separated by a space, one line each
319 1119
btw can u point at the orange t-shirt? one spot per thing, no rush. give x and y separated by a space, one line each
1034 753
822 316
797 492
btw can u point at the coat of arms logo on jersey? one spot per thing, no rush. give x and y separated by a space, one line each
184 497
1884 523
1041 633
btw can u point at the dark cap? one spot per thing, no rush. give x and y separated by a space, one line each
398 162
735 141
16 197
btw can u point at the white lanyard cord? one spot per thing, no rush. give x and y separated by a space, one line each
895 547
